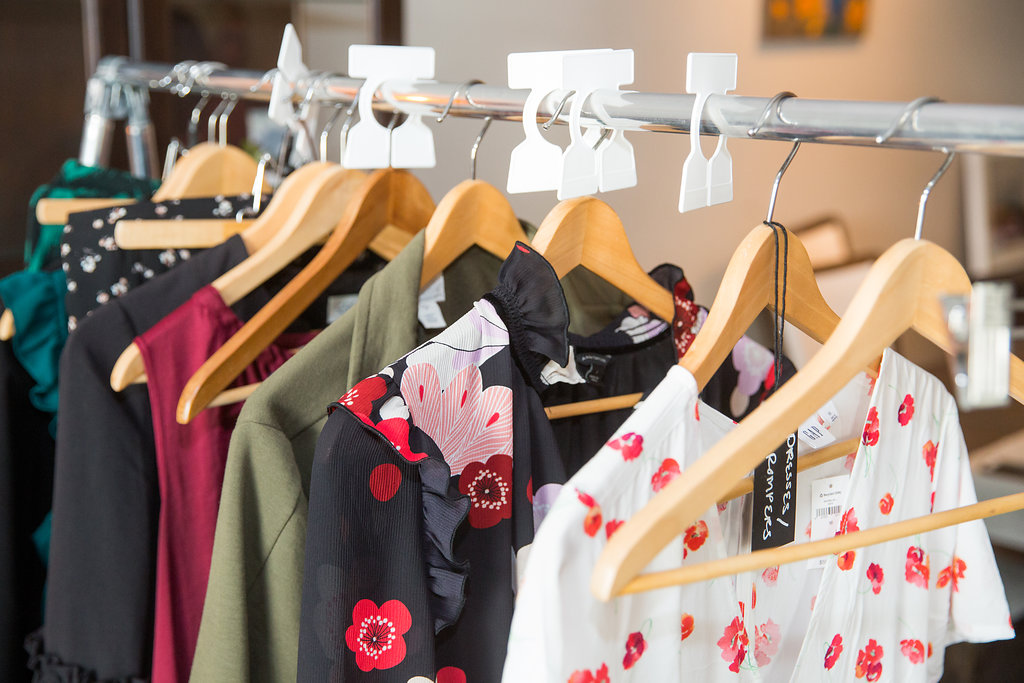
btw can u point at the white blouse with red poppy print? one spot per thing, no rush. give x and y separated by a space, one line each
882 613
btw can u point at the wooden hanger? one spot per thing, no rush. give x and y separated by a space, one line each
587 232
901 292
304 209
55 211
472 213
387 197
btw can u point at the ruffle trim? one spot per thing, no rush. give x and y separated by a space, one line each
48 668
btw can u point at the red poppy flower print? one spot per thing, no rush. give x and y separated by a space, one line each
845 560
766 642
952 574
359 399
913 650
835 649
630 445
929 452
885 504
848 524
876 576
635 646
396 430
906 410
686 626
587 676
869 661
668 471
734 642
376 634
917 567
384 481
870 436
695 536
612 526
930 642
770 575
489 487
592 522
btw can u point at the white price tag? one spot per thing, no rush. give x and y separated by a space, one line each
827 496
429 312
816 431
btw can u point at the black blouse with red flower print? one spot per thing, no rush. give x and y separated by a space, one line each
432 475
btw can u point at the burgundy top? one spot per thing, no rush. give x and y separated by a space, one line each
190 465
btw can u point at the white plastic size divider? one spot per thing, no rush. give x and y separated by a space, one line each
705 183
536 164
290 70
371 145
585 73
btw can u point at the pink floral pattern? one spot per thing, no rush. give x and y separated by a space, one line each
885 504
952 574
592 522
929 453
733 643
835 649
376 634
917 567
635 646
766 642
876 576
694 536
468 423
630 445
871 431
905 411
913 650
869 661
587 676
668 471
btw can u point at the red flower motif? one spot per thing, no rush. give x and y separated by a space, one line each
876 576
885 504
696 411
766 642
770 575
376 634
635 647
734 642
489 487
695 536
396 430
630 445
685 626
384 481
870 436
668 471
930 642
917 567
906 410
848 524
359 399
869 661
929 451
612 526
845 560
586 676
592 522
451 674
952 574
834 650
753 597
913 649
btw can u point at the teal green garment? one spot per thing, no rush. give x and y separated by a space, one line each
77 181
36 299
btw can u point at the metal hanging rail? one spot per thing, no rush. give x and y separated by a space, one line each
981 128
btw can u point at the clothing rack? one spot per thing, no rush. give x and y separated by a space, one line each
980 128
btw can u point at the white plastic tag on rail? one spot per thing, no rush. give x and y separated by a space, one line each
536 164
707 182
371 145
290 70
583 167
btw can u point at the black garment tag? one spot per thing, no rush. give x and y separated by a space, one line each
774 515
592 366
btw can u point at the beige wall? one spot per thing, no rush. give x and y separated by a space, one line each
960 51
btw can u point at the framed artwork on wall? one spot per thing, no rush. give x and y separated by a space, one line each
813 19
993 215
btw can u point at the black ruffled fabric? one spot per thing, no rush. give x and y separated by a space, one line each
530 300
48 668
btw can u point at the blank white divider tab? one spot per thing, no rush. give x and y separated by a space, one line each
705 183
586 73
290 70
371 145
536 164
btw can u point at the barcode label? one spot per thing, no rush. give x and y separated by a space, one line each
825 512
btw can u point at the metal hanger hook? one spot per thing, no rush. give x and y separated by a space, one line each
464 87
928 190
343 134
771 109
211 124
232 103
175 76
193 121
558 110
778 179
909 111
326 132
476 145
